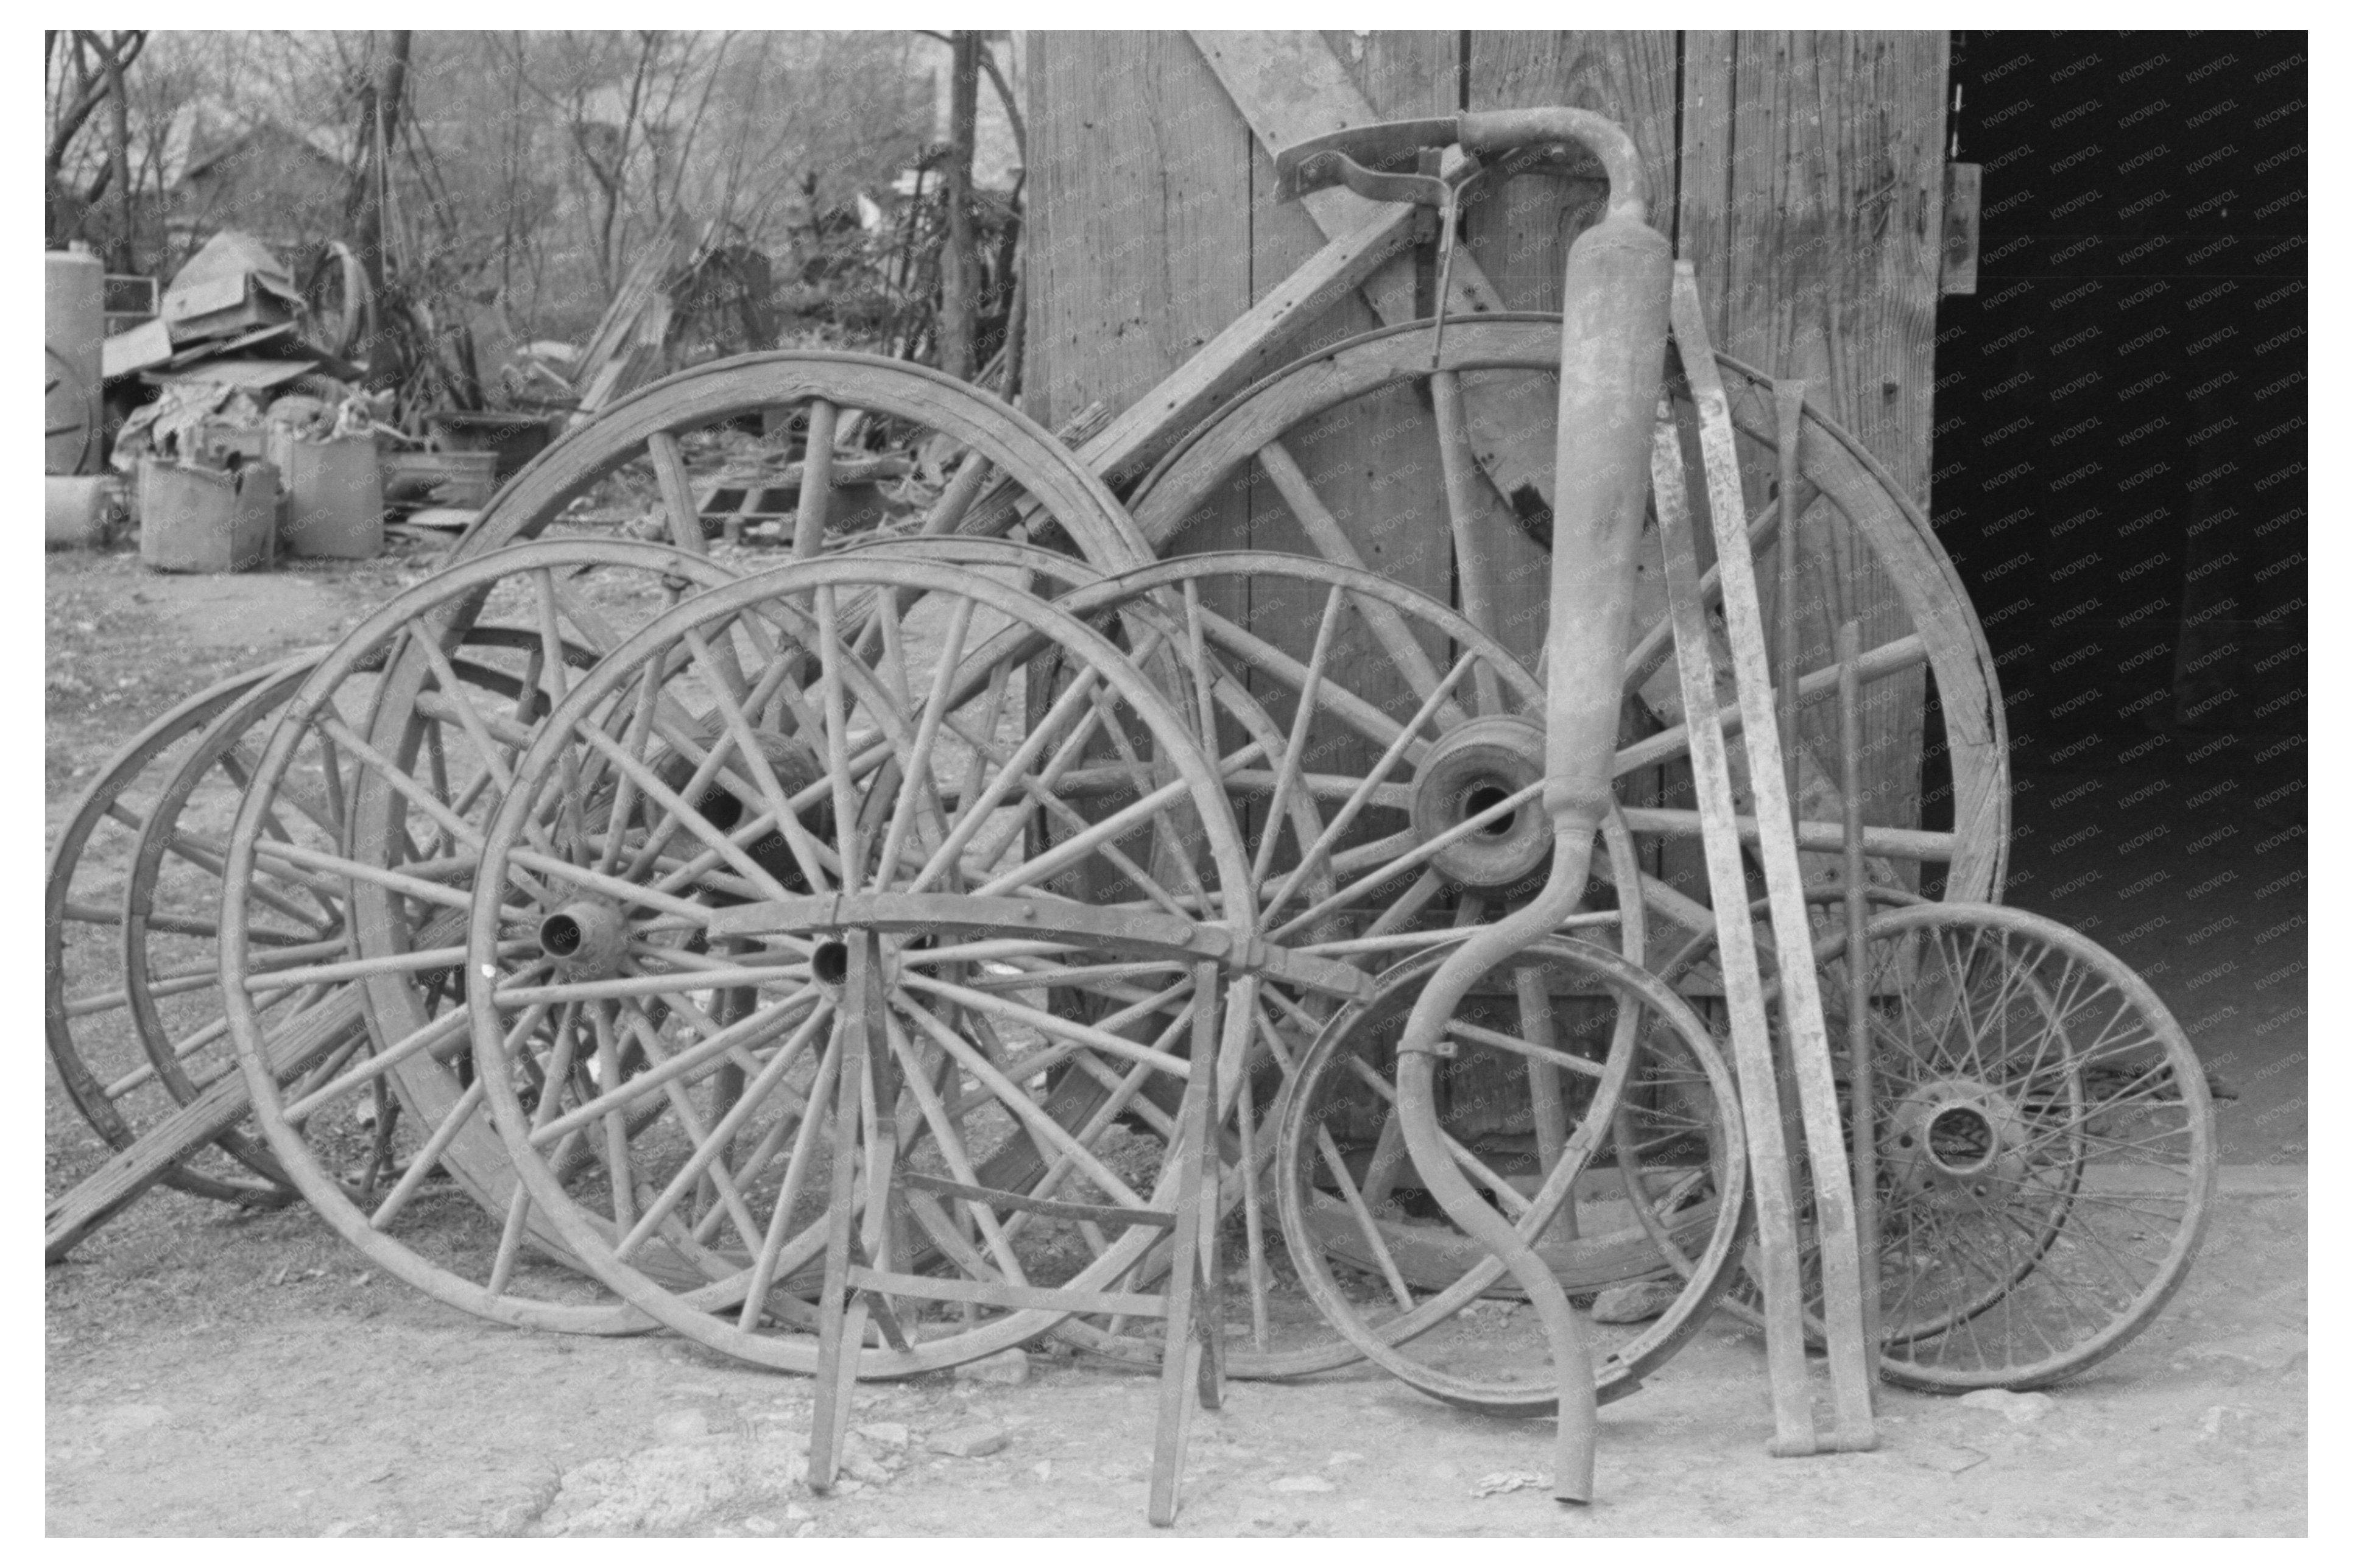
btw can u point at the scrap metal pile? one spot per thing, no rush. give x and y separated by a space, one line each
1236 965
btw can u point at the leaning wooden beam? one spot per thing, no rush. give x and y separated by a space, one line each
1252 344
1915 844
1120 450
1862 1111
1852 1363
116 1184
1744 990
1290 86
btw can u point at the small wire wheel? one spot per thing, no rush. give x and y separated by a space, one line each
1634 1061
2046 1146
791 950
370 798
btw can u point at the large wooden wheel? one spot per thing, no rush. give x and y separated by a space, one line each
993 457
373 792
672 906
1851 505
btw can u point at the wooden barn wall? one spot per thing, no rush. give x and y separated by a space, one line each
1809 201
1801 172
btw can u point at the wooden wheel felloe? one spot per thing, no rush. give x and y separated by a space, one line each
71 416
91 1017
1645 1071
372 790
1252 439
997 464
672 1093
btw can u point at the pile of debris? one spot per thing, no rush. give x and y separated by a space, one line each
248 433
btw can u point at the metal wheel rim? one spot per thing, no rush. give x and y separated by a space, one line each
1616 1374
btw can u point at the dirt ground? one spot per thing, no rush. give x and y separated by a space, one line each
217 1372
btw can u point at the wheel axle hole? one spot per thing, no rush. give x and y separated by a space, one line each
560 936
721 809
1484 797
831 963
1961 1139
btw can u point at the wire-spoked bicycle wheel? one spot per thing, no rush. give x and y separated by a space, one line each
2046 1153
2046 1146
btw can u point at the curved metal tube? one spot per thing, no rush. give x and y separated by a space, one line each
1613 345
1418 1110
1502 129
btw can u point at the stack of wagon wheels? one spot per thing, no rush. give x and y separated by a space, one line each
975 929
2086 1140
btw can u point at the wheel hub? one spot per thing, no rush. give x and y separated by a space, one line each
1956 1142
1476 767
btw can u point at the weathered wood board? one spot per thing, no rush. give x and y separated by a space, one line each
1810 200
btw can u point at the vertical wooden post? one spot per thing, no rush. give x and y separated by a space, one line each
1862 1115
959 263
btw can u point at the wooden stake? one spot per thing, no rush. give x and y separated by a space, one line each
1851 1360
1862 1112
1744 992
1789 413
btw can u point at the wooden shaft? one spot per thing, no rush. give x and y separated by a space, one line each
1863 1090
816 481
1744 996
1788 411
1801 1006
1473 569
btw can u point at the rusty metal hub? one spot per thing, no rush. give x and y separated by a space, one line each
1956 1142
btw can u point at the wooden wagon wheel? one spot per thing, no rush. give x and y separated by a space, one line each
663 1029
1000 458
373 791
996 460
89 1016
133 1016
2045 1144
1836 474
1690 1164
